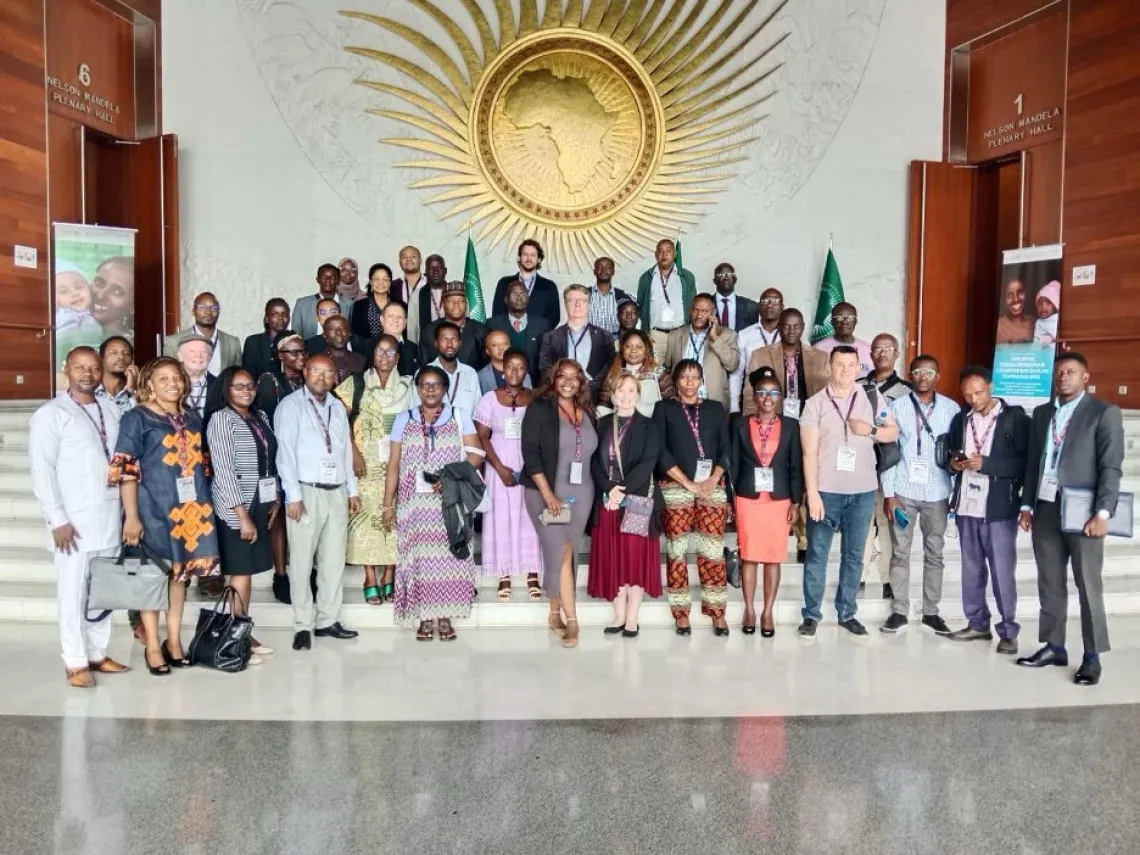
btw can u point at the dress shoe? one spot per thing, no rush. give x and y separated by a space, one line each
936 623
767 633
335 630
80 678
302 640
970 634
614 630
630 633
1007 646
281 589
853 626
808 627
1088 674
107 665
1045 656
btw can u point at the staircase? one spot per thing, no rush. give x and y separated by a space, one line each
27 574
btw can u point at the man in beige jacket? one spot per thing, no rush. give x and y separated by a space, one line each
801 369
711 344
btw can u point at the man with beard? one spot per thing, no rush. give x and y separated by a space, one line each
526 330
258 354
194 354
120 374
710 344
604 297
335 344
225 349
543 292
328 288
471 332
844 319
463 390
762 332
406 289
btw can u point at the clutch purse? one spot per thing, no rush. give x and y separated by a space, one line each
134 581
561 518
1077 509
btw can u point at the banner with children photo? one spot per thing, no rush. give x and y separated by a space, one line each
1029 314
94 286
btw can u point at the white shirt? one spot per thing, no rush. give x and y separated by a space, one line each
748 341
301 448
726 301
196 400
215 366
463 389
974 492
658 305
69 465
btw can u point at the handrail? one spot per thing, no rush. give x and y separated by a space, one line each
1097 340
40 328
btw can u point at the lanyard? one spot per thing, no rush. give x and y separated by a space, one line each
577 434
920 422
322 423
764 336
765 435
980 444
792 375
196 402
100 428
178 424
514 399
665 284
850 410
429 428
1058 439
694 420
260 436
530 286
574 344
619 434
436 305
452 388
697 350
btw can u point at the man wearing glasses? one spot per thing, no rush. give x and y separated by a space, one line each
710 344
844 319
917 492
578 339
763 329
226 347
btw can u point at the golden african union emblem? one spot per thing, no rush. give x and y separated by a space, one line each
598 128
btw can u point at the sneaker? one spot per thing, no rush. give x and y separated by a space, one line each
1008 646
807 628
888 594
895 623
854 627
936 623
971 634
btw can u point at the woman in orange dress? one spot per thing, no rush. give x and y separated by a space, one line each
768 477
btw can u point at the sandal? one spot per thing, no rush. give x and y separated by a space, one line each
388 592
426 632
570 640
533 589
446 632
505 590
372 595
556 625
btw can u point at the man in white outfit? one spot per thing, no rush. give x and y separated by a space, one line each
72 438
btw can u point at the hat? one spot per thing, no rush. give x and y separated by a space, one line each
625 300
196 337
454 287
62 266
1052 293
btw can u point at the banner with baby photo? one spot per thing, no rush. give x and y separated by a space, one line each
1029 314
94 285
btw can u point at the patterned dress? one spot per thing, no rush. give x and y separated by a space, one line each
158 450
431 583
368 542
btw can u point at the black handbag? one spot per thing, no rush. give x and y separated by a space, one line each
222 639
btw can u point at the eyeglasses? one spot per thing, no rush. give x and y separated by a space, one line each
843 318
578 301
923 372
724 276
242 387
767 393
209 308
432 384
292 351
886 348
771 301
327 313
387 351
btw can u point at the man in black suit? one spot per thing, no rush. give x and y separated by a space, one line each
578 339
471 332
525 330
1076 441
543 292
428 301
733 312
258 354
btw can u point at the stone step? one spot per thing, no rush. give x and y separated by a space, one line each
35 602
17 480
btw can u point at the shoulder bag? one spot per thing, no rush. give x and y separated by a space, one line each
888 455
222 639
134 580
941 443
638 509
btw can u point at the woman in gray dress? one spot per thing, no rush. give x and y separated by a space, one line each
559 437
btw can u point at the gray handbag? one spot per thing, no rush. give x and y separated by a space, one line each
135 581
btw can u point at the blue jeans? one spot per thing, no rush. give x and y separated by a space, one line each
851 515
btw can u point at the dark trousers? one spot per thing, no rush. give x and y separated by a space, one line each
989 553
1053 550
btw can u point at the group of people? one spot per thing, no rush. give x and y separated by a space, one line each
380 425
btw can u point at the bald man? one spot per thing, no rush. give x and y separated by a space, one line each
226 348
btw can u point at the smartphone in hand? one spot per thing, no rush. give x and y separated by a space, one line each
901 519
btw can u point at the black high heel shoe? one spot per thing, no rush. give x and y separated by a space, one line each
768 633
720 631
171 661
684 630
748 629
157 670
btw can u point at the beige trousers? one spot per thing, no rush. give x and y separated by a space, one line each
322 532
878 544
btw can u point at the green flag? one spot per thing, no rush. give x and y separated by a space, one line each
830 295
471 284
678 262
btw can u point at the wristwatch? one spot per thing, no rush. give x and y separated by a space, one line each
874 430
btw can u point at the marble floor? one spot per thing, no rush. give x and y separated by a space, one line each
503 742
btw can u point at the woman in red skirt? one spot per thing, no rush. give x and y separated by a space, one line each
624 566
768 478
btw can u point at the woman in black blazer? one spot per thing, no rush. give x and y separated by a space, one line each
624 566
768 477
694 460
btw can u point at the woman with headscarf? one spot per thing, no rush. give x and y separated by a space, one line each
1014 326
349 287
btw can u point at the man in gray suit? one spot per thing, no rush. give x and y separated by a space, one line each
305 309
1076 441
225 348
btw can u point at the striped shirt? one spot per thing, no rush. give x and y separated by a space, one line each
917 477
237 463
603 310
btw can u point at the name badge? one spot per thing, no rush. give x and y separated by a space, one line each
704 469
328 472
762 475
668 315
1048 490
512 427
919 471
383 449
422 486
186 490
974 489
267 490
575 471
792 408
845 461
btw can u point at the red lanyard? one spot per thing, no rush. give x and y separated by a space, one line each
980 444
100 428
324 425
850 410
514 400
1058 440
765 435
792 375
577 434
436 305
429 428
694 420
259 435
619 435
178 423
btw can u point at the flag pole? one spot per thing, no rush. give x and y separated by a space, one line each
830 241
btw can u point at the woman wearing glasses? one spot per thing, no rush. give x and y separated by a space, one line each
286 377
374 399
245 489
432 585
767 475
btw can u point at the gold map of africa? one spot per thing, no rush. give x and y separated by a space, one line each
577 124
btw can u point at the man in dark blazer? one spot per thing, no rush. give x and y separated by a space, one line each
524 329
258 353
732 311
578 339
543 292
472 333
1076 441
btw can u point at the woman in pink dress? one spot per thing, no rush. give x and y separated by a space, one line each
510 544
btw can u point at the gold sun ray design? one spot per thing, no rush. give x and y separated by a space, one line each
592 125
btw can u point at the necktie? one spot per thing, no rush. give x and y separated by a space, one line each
724 311
518 325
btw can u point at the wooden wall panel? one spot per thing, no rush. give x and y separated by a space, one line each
967 20
24 292
64 157
1044 172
